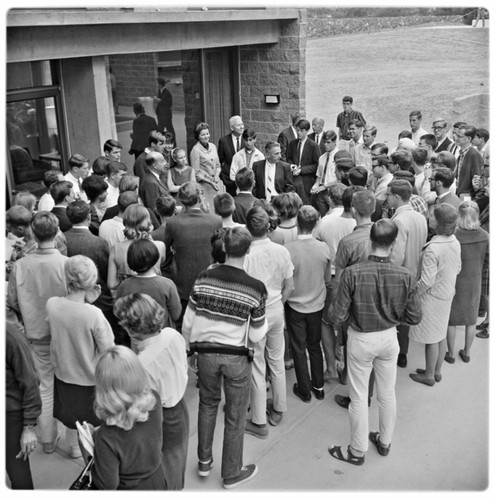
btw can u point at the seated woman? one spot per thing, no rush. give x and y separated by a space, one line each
79 334
128 445
162 352
137 225
142 256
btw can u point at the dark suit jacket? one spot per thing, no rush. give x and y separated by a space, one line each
312 136
151 189
226 151
471 165
63 221
451 199
309 164
141 127
285 137
444 145
284 181
243 202
189 235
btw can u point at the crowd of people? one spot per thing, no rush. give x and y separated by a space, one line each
322 252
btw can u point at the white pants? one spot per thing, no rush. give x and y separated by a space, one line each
365 351
269 350
46 422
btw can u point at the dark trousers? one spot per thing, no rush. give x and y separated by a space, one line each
403 338
175 443
18 470
305 333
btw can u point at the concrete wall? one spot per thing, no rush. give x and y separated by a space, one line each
191 78
274 69
473 109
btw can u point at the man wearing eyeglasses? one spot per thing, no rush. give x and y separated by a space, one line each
440 129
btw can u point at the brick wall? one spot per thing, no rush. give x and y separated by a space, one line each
274 69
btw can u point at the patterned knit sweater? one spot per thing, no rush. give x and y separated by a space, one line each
221 302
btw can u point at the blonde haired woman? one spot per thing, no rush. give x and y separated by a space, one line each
137 224
474 256
79 334
128 445
163 354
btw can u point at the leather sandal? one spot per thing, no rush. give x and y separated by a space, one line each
375 439
336 452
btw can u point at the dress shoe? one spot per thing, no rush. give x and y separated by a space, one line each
464 358
483 334
302 397
482 326
402 360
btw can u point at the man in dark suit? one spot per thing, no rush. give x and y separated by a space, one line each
244 199
272 176
62 195
316 135
141 127
228 146
164 108
188 238
303 155
153 185
80 241
441 180
156 142
440 129
469 162
287 135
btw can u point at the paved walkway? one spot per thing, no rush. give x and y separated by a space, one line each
440 441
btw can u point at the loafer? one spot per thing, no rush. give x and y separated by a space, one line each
464 358
302 397
259 431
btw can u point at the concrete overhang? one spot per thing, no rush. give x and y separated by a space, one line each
41 34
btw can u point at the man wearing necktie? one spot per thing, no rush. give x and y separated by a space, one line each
303 155
78 171
325 174
317 135
469 163
228 146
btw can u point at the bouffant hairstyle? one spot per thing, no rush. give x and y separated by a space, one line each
123 394
199 128
94 186
139 314
137 222
80 273
287 205
468 216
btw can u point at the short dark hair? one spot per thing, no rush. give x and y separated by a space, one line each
94 186
237 241
430 139
287 204
60 190
115 166
138 108
420 156
347 98
444 175
244 179
270 145
383 233
382 160
128 183
165 206
307 218
77 160
126 199
402 158
100 166
402 188
405 134
447 158
257 221
51 177
17 215
469 130
268 208
77 211
44 226
348 194
142 255
189 194
218 245
224 204
482 133
335 192
357 122
110 144
358 176
379 148
329 135
446 216
364 203
199 128
303 124
416 113
154 137
248 133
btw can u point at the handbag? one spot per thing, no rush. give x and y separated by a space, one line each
84 481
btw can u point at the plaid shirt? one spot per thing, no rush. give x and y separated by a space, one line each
375 295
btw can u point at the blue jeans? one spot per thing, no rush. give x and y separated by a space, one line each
236 373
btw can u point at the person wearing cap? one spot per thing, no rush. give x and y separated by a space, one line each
361 153
164 108
343 163
343 121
